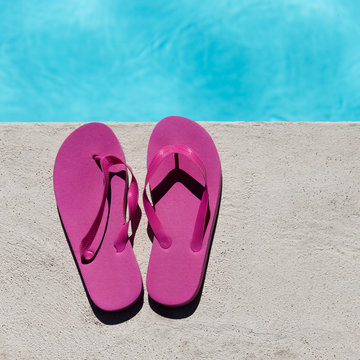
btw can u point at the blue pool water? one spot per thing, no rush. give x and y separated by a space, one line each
250 60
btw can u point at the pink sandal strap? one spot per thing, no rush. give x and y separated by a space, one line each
159 232
87 249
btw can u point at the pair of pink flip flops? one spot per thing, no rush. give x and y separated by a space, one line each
93 193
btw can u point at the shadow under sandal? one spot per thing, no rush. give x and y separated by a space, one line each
92 193
184 176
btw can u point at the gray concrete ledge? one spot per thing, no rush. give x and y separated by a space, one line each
283 276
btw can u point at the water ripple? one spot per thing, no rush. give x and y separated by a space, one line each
288 60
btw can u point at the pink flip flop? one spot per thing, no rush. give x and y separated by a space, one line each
91 190
184 175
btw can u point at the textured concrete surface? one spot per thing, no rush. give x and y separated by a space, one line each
283 276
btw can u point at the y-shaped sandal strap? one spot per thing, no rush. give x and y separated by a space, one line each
87 248
156 226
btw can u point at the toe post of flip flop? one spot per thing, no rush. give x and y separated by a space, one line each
92 193
184 180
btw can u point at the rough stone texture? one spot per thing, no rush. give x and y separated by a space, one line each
283 275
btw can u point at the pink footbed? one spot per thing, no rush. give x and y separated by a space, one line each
112 278
175 273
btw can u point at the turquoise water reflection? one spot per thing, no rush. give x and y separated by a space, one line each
101 60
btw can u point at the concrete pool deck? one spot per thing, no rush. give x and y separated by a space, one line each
283 275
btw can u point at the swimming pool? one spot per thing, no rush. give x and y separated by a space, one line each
102 60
